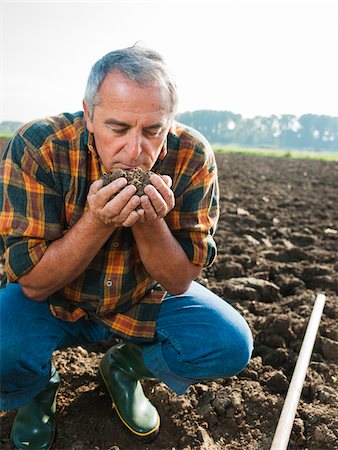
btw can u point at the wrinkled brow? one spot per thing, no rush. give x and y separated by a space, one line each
112 121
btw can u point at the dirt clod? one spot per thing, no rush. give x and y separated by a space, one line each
137 177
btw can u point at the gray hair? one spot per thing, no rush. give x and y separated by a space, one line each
141 65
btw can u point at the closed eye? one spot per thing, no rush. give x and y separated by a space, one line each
119 131
152 132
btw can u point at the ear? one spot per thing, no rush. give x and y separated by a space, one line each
87 117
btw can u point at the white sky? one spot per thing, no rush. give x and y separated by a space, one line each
251 57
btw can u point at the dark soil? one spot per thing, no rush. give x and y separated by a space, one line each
137 177
278 247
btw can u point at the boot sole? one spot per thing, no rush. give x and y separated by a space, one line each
147 437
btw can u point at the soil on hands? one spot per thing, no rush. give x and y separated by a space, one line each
277 248
137 177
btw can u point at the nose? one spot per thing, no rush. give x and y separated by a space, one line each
135 146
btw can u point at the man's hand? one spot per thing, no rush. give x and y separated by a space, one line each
160 252
66 258
113 204
158 201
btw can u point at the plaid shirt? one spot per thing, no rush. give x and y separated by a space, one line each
44 180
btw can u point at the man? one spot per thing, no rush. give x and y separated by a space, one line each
87 263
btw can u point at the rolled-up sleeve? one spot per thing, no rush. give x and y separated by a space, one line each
31 209
194 219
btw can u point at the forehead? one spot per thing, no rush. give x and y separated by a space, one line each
120 94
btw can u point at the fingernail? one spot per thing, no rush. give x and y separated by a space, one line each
121 182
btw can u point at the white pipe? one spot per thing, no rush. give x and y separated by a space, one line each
285 423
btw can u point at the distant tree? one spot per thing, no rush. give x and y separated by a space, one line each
8 127
285 131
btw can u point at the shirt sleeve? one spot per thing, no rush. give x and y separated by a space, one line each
194 219
31 209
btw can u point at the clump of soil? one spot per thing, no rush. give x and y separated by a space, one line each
137 177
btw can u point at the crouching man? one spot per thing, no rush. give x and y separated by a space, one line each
87 262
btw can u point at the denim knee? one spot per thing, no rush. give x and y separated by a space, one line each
229 349
236 344
206 345
202 336
232 340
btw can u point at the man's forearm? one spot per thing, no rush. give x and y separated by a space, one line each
163 257
66 258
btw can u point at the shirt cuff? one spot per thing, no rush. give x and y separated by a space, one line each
201 250
22 256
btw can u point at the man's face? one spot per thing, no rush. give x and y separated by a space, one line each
130 123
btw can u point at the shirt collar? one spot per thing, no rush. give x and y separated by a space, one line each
164 150
91 144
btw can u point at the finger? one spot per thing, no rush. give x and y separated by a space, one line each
158 202
168 181
114 187
132 218
116 205
150 214
95 187
140 212
132 204
157 181
103 195
163 189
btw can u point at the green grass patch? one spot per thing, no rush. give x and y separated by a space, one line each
296 154
6 135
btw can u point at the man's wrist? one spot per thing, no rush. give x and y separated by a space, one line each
149 226
91 221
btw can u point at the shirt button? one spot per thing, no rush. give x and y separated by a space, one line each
116 244
109 283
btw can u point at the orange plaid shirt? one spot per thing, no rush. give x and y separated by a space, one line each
45 176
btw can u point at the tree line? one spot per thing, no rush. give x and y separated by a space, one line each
287 131
309 131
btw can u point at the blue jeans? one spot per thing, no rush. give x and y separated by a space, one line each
198 337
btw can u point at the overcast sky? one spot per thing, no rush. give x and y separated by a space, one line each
251 57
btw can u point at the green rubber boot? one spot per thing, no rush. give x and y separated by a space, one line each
122 368
34 425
